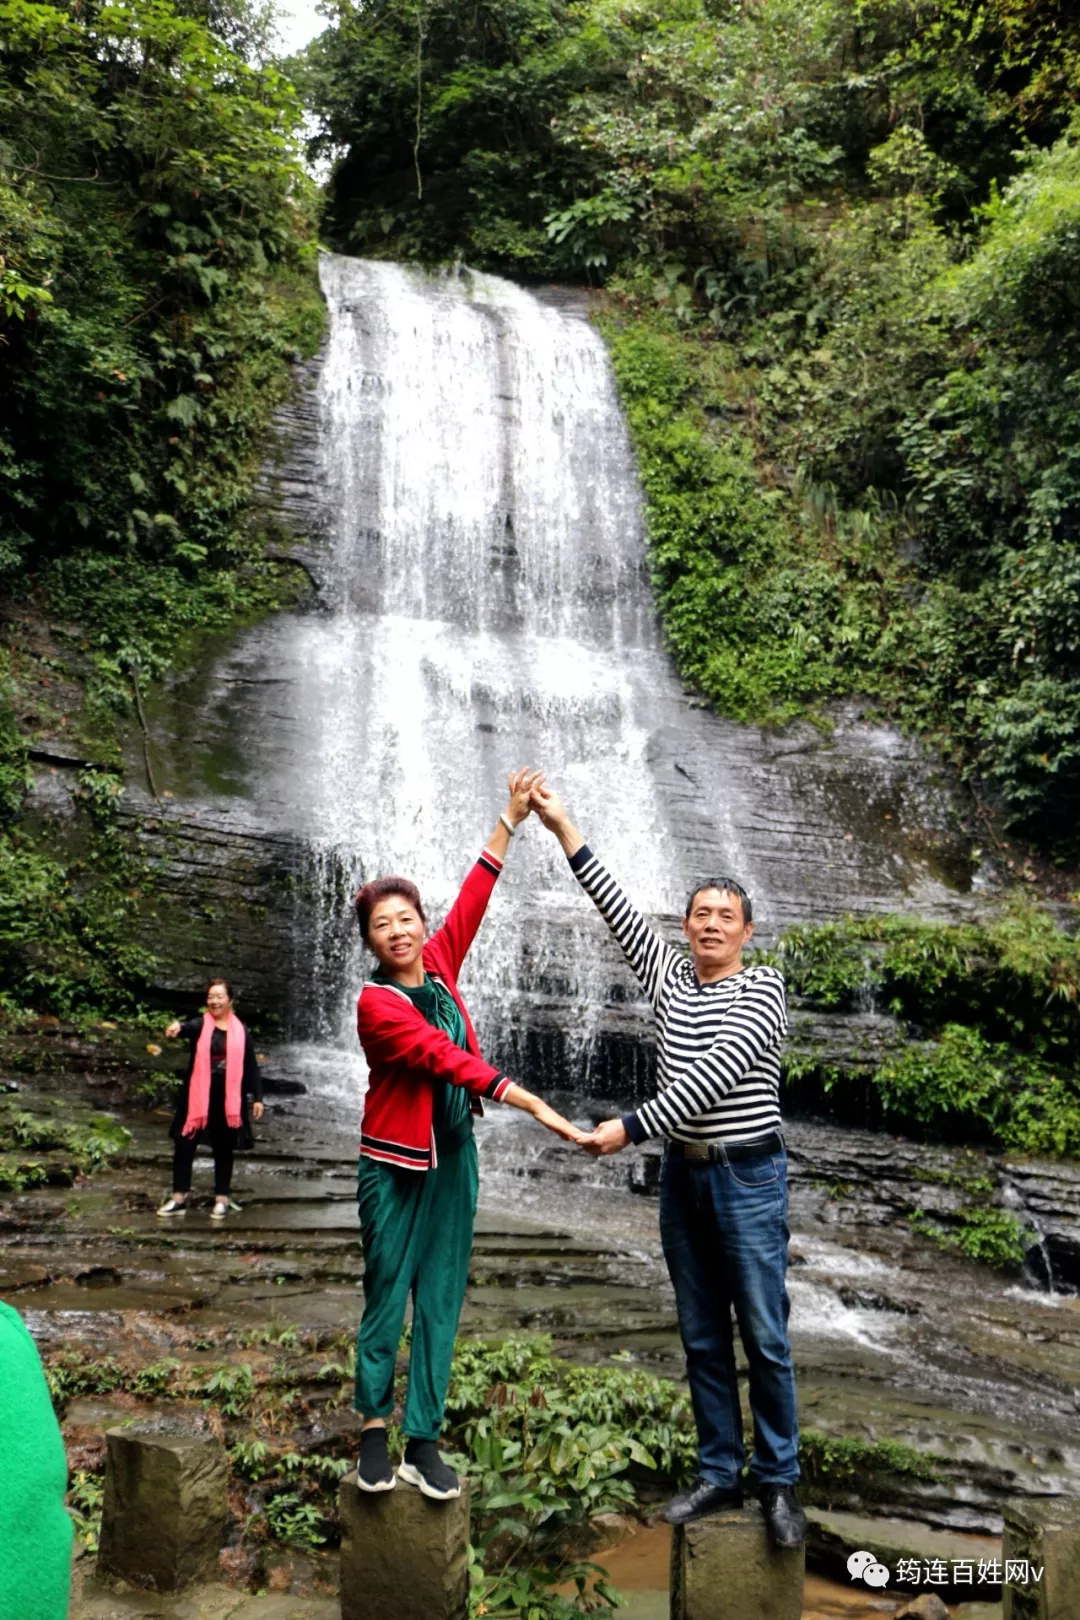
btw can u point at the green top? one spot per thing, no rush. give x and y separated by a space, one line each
35 1531
451 1116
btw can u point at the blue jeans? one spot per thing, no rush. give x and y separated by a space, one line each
725 1234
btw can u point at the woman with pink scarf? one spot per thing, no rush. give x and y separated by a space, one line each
221 1095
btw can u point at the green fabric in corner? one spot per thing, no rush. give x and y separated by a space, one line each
35 1530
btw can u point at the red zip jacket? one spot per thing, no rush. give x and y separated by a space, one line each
406 1054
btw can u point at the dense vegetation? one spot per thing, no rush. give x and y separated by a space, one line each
156 279
39 1146
992 1011
842 243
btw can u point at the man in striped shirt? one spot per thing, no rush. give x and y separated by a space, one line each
723 1189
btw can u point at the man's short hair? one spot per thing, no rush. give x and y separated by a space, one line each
728 886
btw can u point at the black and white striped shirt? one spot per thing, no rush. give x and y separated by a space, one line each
719 1044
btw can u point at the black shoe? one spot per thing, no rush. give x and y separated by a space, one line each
784 1518
424 1467
373 1470
701 1499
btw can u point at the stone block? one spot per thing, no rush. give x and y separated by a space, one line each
403 1557
834 1536
724 1568
1046 1536
165 1507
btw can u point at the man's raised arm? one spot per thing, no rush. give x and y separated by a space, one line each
649 957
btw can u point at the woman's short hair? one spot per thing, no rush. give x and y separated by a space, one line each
225 985
379 889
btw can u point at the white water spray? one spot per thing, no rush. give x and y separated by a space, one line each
489 607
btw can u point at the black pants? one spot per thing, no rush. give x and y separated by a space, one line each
184 1158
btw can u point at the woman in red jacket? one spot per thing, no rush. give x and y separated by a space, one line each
417 1179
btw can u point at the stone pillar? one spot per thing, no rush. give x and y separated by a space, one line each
165 1508
1044 1535
403 1555
724 1568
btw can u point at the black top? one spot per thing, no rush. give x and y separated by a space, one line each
217 1126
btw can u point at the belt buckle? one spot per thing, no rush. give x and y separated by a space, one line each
697 1150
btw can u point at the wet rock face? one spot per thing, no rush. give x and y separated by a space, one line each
227 897
224 894
454 478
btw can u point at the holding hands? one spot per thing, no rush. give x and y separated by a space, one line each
523 785
610 1137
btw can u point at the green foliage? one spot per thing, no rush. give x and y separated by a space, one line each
14 777
78 1148
134 614
450 114
85 1498
230 1389
843 248
833 1466
295 1522
963 1084
1016 976
726 553
162 225
70 1373
526 1593
547 1447
1001 1000
156 282
66 926
994 1237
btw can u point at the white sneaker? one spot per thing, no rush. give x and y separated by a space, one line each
220 1209
173 1206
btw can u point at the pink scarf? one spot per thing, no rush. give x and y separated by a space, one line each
198 1113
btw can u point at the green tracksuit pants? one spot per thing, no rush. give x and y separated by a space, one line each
417 1230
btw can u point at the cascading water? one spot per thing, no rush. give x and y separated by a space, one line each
488 607
461 457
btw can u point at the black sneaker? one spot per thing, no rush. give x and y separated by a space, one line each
424 1467
784 1518
373 1470
700 1500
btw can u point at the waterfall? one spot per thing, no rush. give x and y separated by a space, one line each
488 607
460 465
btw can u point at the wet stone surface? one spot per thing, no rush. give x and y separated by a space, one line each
894 1340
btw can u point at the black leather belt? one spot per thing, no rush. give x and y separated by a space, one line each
720 1152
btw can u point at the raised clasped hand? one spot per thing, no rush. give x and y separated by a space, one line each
547 804
610 1137
522 784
